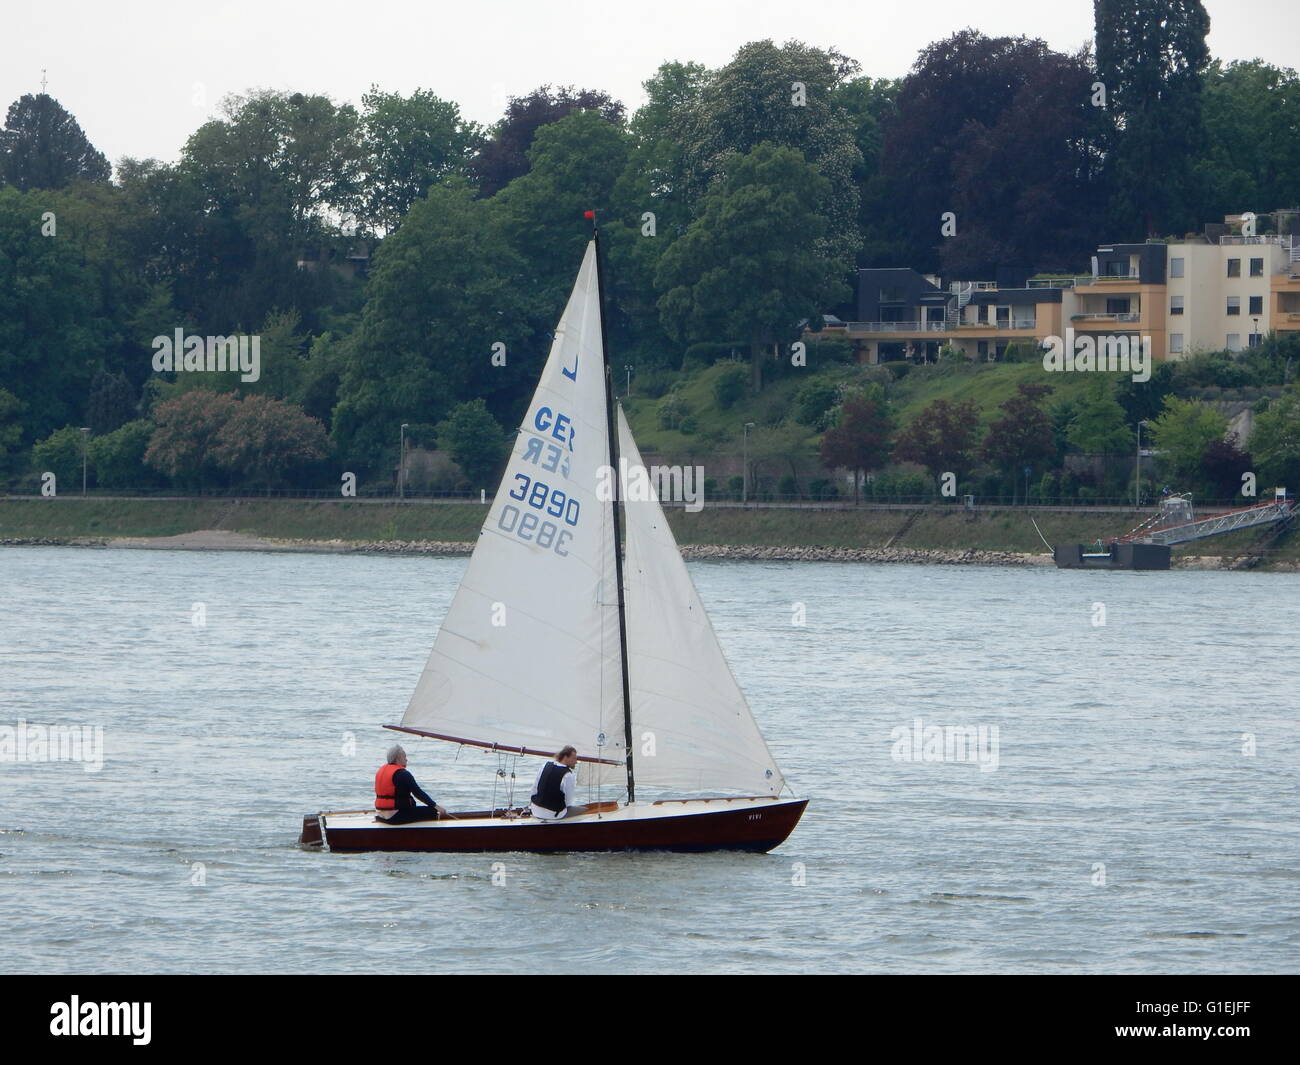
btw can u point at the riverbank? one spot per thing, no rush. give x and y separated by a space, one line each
945 535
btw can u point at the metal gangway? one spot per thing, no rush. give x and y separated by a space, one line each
1175 522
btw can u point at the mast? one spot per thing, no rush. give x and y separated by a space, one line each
618 510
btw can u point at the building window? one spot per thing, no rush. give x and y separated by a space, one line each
1175 267
1117 305
1256 304
1175 343
982 348
1234 341
1234 304
1255 339
1175 304
1256 267
1234 267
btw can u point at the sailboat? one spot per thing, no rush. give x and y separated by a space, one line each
556 637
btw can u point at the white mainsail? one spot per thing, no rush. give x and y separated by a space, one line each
686 704
528 654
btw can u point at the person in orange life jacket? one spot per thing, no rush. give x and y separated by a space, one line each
553 791
396 792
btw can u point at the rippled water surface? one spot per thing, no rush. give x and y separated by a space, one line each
1124 829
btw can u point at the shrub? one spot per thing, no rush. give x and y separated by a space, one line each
813 402
730 385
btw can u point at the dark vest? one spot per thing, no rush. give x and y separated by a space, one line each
550 794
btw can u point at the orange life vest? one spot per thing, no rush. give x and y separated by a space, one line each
385 792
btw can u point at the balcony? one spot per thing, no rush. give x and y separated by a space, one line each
1002 323
1105 316
897 327
1056 282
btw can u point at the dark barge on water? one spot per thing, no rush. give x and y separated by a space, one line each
1150 545
1116 556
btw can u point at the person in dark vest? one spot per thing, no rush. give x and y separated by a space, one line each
396 792
553 791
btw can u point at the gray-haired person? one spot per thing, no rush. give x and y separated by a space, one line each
396 792
553 790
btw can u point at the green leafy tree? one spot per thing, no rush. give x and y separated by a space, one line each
1275 442
814 401
1097 427
729 386
1151 57
444 289
504 155
860 438
11 432
1182 433
475 441
408 144
118 458
750 266
755 99
60 453
43 147
112 402
50 335
943 438
1252 123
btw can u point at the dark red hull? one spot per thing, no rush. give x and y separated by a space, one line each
743 828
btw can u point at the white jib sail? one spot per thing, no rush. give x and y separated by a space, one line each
686 705
528 654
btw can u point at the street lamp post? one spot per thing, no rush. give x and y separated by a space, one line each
744 483
629 380
1258 338
1137 469
85 436
401 468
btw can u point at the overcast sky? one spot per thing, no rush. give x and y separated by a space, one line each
141 75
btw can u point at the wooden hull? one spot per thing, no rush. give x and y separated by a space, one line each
746 824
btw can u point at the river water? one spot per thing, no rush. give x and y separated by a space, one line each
1135 811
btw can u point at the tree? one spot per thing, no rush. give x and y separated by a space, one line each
51 332
1222 464
504 156
1151 55
61 453
999 131
859 439
943 438
264 441
42 147
1182 433
11 432
1097 427
118 457
750 266
1022 438
112 402
444 289
408 144
573 165
1275 443
783 96
184 441
475 441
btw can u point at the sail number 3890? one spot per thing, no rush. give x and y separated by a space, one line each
532 527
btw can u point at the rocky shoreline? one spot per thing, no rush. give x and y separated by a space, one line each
221 540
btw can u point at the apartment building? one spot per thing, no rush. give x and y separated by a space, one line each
1209 292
